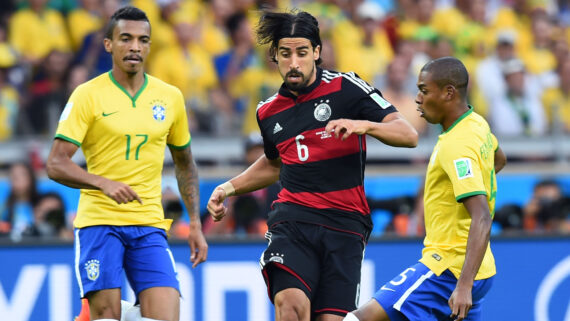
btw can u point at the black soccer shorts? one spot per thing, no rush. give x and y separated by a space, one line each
322 262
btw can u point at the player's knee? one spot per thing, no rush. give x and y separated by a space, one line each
291 306
350 317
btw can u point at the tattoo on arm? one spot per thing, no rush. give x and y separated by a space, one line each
187 177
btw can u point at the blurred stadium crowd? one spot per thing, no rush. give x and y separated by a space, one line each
516 52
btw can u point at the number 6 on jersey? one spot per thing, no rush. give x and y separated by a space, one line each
302 150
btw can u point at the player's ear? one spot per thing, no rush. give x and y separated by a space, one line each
108 44
450 92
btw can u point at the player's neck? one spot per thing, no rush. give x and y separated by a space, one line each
454 115
132 83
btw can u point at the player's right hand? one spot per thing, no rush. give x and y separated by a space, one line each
119 192
216 206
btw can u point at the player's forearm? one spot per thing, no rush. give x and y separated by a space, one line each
398 132
186 173
64 171
477 242
260 174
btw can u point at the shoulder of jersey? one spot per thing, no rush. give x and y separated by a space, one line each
159 82
350 78
96 82
265 102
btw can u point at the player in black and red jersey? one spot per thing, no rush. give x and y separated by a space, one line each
314 138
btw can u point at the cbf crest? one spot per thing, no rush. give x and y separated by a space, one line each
158 110
322 110
92 268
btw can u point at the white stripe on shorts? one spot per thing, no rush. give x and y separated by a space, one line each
77 254
172 261
411 289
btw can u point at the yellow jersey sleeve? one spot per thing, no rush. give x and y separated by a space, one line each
179 134
461 163
76 117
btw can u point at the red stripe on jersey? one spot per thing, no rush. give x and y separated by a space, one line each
351 200
275 106
315 145
322 90
332 310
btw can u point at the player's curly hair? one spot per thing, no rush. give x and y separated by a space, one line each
125 13
296 24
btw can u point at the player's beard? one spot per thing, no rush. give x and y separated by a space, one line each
300 85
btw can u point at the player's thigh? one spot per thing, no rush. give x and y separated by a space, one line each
148 259
98 259
339 282
371 311
160 303
290 260
480 289
416 294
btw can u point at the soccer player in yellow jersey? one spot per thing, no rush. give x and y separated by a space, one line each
457 267
123 120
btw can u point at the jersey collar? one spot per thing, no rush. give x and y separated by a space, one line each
133 98
467 113
283 91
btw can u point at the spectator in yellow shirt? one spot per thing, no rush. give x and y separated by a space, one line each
37 30
556 101
83 20
361 44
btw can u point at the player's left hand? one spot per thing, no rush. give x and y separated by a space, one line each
198 245
343 128
460 303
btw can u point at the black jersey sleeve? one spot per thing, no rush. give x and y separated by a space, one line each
269 148
374 107
368 102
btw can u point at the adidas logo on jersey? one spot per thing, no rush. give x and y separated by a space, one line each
277 128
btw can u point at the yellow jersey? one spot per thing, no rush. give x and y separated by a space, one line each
461 165
123 138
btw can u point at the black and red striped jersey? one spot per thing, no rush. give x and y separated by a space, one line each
318 171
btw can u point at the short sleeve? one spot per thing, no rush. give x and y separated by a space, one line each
269 148
76 117
374 107
461 164
179 135
369 104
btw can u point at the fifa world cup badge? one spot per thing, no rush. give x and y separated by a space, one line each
92 268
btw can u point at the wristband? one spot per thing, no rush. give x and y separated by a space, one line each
228 188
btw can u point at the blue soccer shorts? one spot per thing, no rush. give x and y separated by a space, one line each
418 294
102 252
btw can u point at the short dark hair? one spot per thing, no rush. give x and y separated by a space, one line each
125 13
448 71
295 24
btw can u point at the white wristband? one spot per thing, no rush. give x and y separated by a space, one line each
228 188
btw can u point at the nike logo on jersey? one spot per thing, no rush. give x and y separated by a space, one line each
109 114
387 289
277 128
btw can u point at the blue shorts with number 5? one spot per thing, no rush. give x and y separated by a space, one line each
102 252
418 294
